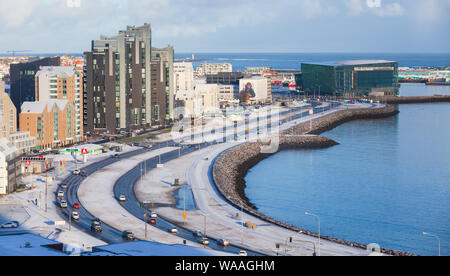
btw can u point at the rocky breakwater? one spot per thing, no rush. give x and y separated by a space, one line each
230 168
335 119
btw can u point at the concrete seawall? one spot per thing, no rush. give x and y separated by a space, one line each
415 100
231 167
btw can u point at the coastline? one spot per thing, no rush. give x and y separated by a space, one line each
230 168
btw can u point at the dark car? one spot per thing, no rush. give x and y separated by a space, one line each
197 234
128 236
83 174
116 156
97 228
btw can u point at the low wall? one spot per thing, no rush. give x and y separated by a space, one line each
413 100
231 167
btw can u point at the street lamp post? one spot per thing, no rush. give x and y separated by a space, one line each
437 238
318 220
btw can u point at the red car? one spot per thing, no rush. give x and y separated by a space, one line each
152 221
76 206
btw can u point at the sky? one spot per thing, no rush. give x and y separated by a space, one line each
300 26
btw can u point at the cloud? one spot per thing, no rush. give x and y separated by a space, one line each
14 14
374 7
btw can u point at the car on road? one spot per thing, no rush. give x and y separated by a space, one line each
76 206
173 230
60 194
242 253
197 234
122 198
223 242
11 224
153 215
116 156
83 174
152 221
76 172
63 204
204 241
63 186
96 227
75 215
128 236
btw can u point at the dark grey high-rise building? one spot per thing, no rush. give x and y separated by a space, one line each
22 79
162 82
117 94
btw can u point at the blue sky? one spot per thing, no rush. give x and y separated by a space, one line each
385 26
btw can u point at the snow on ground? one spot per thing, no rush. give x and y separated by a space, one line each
21 206
223 220
97 196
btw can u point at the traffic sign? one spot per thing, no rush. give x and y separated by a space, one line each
84 151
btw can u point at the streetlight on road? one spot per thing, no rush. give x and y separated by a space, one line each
437 238
318 219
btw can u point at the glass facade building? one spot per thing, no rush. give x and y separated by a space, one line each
351 78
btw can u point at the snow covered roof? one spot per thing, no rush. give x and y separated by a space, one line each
28 245
8 149
38 107
145 248
56 70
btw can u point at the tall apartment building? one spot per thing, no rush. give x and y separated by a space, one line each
8 125
22 79
205 69
117 83
8 114
62 83
52 122
184 76
162 85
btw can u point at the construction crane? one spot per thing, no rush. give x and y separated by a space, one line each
18 51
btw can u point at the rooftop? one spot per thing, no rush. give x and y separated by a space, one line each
56 70
351 62
145 248
28 245
38 107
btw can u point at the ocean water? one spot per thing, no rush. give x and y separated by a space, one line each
387 182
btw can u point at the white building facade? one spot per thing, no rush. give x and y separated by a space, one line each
184 76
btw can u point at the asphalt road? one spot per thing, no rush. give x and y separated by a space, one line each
125 186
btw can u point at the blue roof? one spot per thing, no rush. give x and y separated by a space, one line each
350 62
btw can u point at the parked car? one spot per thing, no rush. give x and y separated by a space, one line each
173 230
76 206
223 242
122 198
128 236
11 224
197 234
75 215
63 204
60 194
